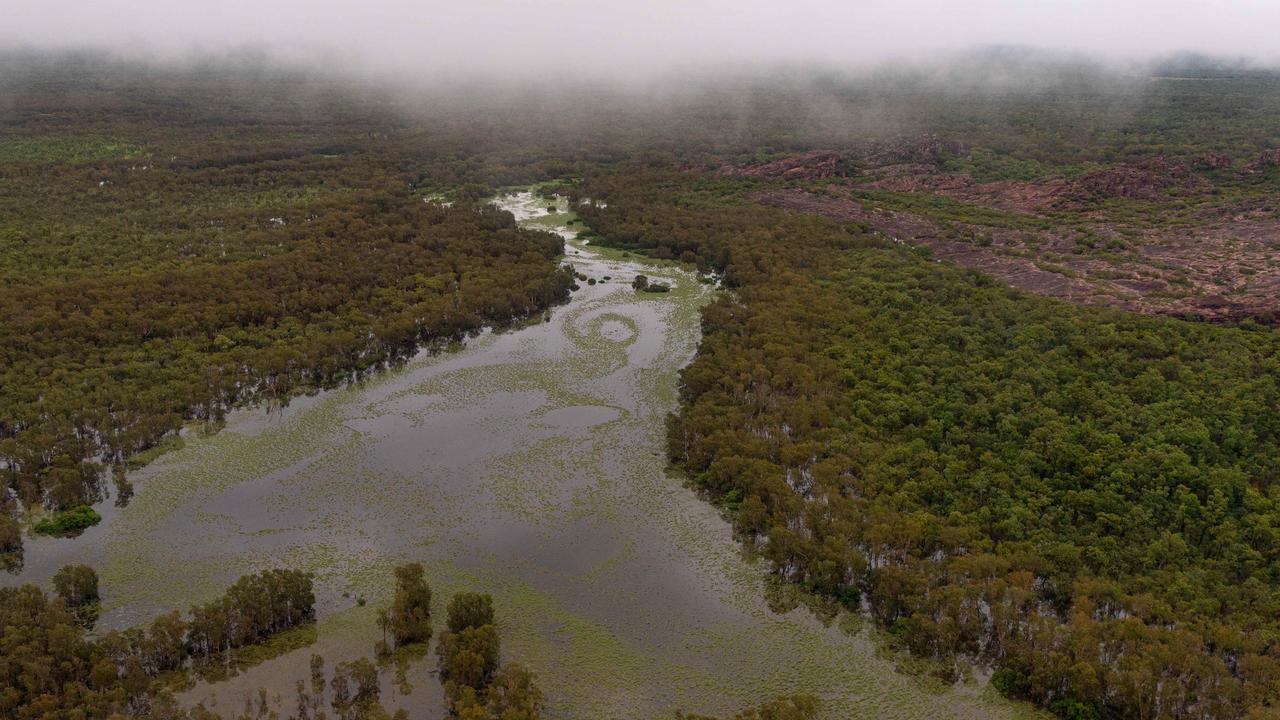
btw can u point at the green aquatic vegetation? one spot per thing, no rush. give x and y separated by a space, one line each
169 443
68 522
245 658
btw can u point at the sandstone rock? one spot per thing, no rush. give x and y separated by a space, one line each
814 165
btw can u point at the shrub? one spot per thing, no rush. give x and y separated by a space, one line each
69 522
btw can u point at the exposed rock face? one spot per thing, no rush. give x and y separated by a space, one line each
1144 181
1125 182
925 151
814 165
1214 161
1012 195
1267 159
904 227
1221 270
928 149
1217 263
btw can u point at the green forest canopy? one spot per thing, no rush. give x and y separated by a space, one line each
1084 498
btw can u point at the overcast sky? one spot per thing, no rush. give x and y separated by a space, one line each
438 37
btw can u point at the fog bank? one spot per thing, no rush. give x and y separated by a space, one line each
431 40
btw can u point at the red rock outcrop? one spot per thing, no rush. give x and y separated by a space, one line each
1266 159
814 165
927 149
1221 270
1140 181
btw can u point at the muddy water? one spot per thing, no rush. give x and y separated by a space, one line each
528 464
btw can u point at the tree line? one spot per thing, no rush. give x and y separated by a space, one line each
51 669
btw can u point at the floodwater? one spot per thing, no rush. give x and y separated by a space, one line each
528 464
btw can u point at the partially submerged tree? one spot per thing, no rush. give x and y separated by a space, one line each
409 617
470 610
77 585
468 657
513 694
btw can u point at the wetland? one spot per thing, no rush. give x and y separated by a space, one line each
529 464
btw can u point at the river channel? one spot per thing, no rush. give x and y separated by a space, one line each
528 464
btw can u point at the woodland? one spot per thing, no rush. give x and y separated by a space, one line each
1081 499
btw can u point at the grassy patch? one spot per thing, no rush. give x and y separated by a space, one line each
169 442
80 149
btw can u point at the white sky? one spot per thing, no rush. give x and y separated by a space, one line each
623 37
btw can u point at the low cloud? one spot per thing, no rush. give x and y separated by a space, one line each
432 40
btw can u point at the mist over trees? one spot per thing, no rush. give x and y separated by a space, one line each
214 259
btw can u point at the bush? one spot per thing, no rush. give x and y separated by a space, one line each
1072 708
69 522
469 658
1009 682
849 596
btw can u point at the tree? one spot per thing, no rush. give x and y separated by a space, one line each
513 694
796 707
10 541
409 617
469 657
77 585
354 687
470 610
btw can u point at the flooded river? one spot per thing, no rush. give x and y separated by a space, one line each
528 464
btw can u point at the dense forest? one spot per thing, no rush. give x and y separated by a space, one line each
201 247
1083 498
